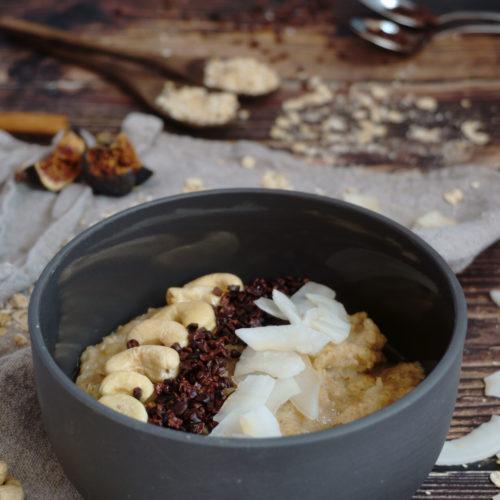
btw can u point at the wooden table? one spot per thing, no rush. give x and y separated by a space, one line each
462 73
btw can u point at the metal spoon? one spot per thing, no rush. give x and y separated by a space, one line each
390 36
409 14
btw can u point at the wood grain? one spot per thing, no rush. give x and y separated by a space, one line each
451 69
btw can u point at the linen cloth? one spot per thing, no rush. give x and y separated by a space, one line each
34 224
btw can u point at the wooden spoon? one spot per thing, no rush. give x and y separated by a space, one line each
144 85
191 69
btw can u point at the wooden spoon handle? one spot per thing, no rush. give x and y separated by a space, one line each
40 32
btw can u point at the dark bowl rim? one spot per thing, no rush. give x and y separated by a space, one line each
440 370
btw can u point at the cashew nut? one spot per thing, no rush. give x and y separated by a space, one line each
11 492
125 383
202 288
197 293
156 331
188 313
126 405
219 280
4 469
156 362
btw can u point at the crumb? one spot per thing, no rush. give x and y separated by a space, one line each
454 196
470 129
379 92
5 318
433 219
20 319
20 340
19 301
352 196
495 297
426 135
274 180
495 478
426 103
465 103
192 184
243 114
248 162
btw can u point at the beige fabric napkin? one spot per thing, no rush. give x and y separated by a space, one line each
34 224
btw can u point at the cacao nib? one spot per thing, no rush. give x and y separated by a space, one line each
190 401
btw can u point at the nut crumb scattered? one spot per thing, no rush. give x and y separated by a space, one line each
243 114
454 196
192 184
19 301
470 129
495 297
426 135
495 478
370 202
434 219
274 180
20 340
426 103
248 162
465 103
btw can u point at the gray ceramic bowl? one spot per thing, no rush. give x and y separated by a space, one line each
119 267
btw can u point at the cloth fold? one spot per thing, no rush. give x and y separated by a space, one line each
34 224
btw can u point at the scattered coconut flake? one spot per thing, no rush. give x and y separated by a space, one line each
260 423
275 363
492 385
362 200
274 180
287 307
322 320
434 219
471 130
426 103
307 401
284 389
495 478
453 196
268 306
483 442
425 135
193 184
248 162
495 296
253 390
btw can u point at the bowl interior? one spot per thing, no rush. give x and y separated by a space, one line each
119 268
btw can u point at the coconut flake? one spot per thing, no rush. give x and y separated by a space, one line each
299 297
297 338
495 296
275 363
492 385
252 391
287 307
483 442
284 389
323 322
330 305
269 307
229 426
307 401
260 423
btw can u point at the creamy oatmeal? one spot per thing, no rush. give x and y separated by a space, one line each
274 357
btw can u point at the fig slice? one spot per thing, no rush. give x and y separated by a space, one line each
60 167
